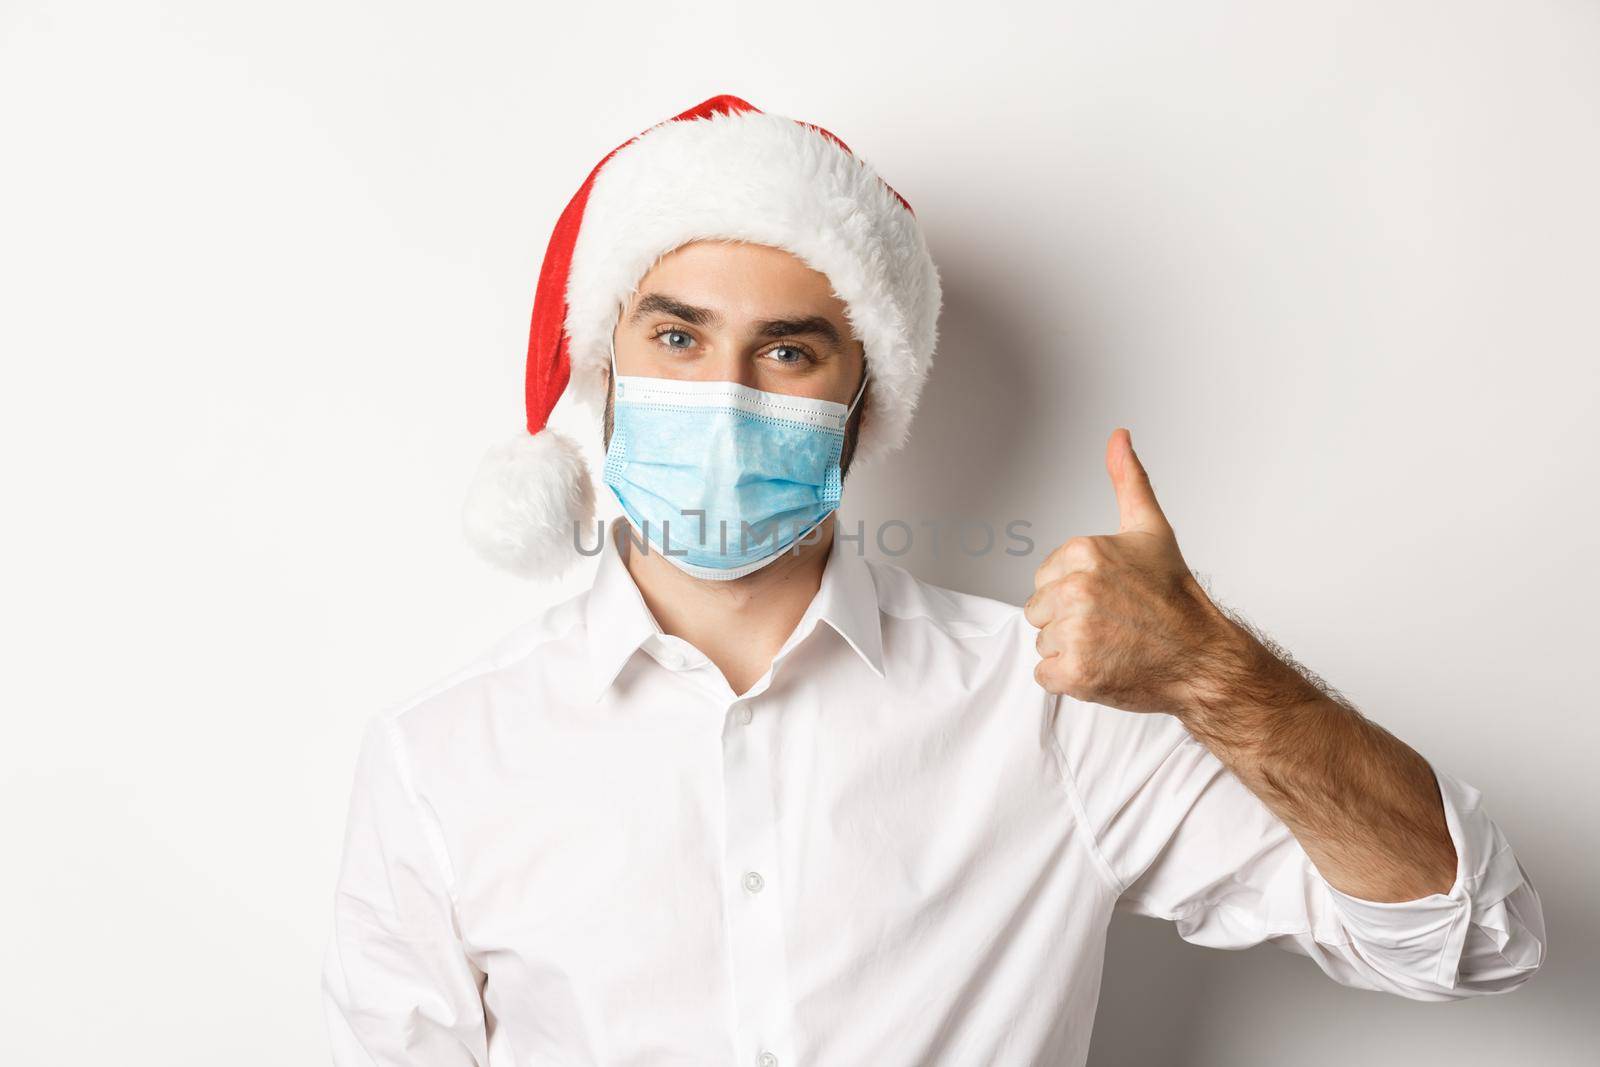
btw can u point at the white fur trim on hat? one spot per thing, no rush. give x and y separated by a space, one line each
765 179
526 502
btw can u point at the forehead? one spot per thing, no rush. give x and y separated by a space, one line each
743 280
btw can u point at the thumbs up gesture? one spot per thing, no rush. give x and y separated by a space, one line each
1122 622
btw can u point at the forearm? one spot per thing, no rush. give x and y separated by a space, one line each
1362 803
1123 622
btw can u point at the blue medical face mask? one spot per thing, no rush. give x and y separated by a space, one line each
720 478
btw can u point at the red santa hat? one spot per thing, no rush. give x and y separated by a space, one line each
721 170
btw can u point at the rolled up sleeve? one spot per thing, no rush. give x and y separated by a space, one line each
1192 845
1486 935
397 986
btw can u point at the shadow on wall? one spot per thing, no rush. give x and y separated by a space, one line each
983 416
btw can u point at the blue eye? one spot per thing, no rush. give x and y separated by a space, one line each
800 355
679 333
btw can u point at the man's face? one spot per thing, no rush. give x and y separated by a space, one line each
745 313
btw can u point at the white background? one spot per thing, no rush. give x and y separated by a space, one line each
266 273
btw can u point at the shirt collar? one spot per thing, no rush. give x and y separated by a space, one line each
618 621
616 618
848 601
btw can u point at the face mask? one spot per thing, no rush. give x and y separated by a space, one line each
720 478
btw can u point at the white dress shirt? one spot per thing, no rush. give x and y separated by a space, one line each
895 849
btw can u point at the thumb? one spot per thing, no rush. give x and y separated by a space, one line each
1136 501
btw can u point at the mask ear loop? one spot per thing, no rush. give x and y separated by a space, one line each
866 372
833 488
617 449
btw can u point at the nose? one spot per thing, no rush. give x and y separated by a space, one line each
731 364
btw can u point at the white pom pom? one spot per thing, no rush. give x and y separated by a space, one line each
529 500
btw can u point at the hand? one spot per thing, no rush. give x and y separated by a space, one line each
1122 622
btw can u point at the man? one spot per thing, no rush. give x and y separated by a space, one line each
752 799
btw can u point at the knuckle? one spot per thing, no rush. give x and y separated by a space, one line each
1041 675
1086 550
1081 543
1080 585
1048 642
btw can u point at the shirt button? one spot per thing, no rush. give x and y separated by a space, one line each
753 882
767 1059
745 714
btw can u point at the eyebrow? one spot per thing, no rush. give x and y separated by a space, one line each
661 303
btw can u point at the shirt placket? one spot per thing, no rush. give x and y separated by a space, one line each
751 879
753 887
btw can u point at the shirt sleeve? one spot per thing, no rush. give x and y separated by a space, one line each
397 986
1188 842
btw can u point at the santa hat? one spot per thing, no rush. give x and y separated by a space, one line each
721 170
